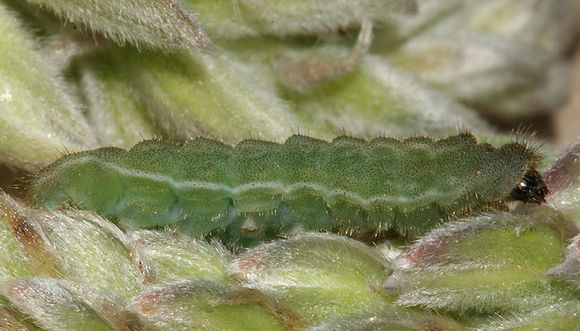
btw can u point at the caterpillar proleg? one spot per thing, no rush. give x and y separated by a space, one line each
258 189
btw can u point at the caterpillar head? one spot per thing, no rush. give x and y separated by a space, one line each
531 188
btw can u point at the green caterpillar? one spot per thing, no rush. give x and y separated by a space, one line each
258 189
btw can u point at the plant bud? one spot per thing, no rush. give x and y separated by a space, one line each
494 263
323 276
39 120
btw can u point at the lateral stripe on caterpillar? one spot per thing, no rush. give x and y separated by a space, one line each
259 189
240 190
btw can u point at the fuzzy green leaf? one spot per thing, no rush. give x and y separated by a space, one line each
194 305
324 276
562 316
114 109
160 24
392 320
493 263
52 305
177 257
233 19
39 120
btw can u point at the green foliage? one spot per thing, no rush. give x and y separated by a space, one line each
500 56
34 103
324 276
202 305
488 264
161 24
178 257
54 304
79 75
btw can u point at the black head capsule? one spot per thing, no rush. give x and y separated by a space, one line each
531 189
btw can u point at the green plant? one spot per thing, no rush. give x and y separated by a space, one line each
80 75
